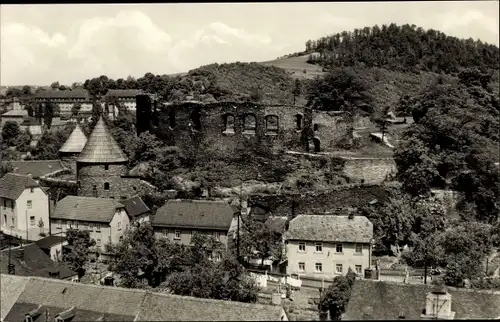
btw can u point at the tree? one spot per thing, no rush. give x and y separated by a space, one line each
79 243
26 90
260 237
10 132
297 90
5 168
381 120
256 94
49 144
55 85
336 297
48 114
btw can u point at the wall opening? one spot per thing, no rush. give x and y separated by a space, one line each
298 121
317 145
272 124
94 191
171 117
106 185
228 123
196 120
249 124
315 127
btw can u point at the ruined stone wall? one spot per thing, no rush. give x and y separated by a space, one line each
69 160
212 129
351 196
327 128
370 170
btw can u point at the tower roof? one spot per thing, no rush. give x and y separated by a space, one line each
76 141
101 147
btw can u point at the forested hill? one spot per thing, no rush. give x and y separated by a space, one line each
402 48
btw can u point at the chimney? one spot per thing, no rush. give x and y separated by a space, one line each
438 304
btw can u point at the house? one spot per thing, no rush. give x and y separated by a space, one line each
178 219
30 260
35 168
52 246
325 246
24 207
40 299
105 219
123 97
17 116
137 209
375 300
65 101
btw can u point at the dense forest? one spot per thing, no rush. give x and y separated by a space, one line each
404 48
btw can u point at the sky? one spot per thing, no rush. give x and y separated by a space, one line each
70 43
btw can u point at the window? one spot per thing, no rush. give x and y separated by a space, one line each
302 247
91 226
29 204
5 203
59 224
319 267
359 249
298 120
119 226
249 123
339 248
338 268
229 123
13 222
217 235
70 224
4 220
177 234
315 127
106 185
319 247
359 269
272 124
164 232
32 190
302 266
98 228
32 221
196 119
106 167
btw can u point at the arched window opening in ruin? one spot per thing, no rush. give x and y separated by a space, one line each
106 185
249 124
298 120
196 120
272 124
171 118
228 123
317 145
315 127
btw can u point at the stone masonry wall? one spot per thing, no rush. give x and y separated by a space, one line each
89 175
371 170
351 196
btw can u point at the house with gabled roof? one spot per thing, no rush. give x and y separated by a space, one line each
325 246
106 219
380 300
124 97
41 299
24 207
179 219
137 210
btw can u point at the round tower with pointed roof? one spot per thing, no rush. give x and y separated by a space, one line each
101 164
73 146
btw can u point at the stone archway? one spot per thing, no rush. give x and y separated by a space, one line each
317 145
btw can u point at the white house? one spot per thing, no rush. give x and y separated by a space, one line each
325 246
24 207
106 219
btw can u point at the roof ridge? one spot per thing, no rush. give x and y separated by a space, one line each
429 286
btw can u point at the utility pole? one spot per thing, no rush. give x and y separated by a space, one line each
26 215
238 228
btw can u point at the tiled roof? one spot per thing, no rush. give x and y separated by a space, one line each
167 307
375 300
101 147
77 93
49 241
76 141
12 287
86 209
123 93
330 228
105 303
36 168
12 185
195 214
16 113
135 206
34 262
90 302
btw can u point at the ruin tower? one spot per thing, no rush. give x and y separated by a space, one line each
101 164
72 148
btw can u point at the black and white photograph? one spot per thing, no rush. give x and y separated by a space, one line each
250 161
